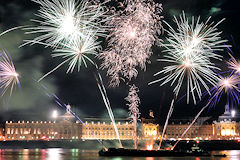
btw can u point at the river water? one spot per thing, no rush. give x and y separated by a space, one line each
76 154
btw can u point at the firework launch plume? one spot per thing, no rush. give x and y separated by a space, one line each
133 103
134 31
8 74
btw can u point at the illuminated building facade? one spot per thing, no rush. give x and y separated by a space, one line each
42 130
2 137
104 130
227 126
197 131
64 128
150 129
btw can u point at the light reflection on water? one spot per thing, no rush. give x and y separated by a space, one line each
77 154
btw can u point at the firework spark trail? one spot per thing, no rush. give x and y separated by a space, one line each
166 123
233 64
107 103
189 51
134 31
63 105
8 74
229 86
11 29
65 21
133 103
194 120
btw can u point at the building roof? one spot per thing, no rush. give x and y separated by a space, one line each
229 115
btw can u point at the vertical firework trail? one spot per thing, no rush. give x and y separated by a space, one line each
107 103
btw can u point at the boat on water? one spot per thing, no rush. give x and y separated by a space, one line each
140 153
149 153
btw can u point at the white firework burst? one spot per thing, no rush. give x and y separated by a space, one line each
64 21
189 51
130 40
193 37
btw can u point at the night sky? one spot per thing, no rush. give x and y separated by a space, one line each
79 89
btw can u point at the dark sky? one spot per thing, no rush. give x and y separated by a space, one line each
80 89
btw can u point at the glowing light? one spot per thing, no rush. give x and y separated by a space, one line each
226 83
187 63
150 147
54 114
233 113
67 26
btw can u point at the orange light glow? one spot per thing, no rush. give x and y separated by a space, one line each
150 147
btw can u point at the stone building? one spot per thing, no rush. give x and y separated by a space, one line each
197 131
104 130
63 128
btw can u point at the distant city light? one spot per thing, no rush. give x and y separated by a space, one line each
233 113
54 115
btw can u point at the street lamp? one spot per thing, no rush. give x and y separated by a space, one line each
54 114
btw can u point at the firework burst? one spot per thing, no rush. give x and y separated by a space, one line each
65 21
8 74
196 70
130 40
193 37
229 86
189 51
